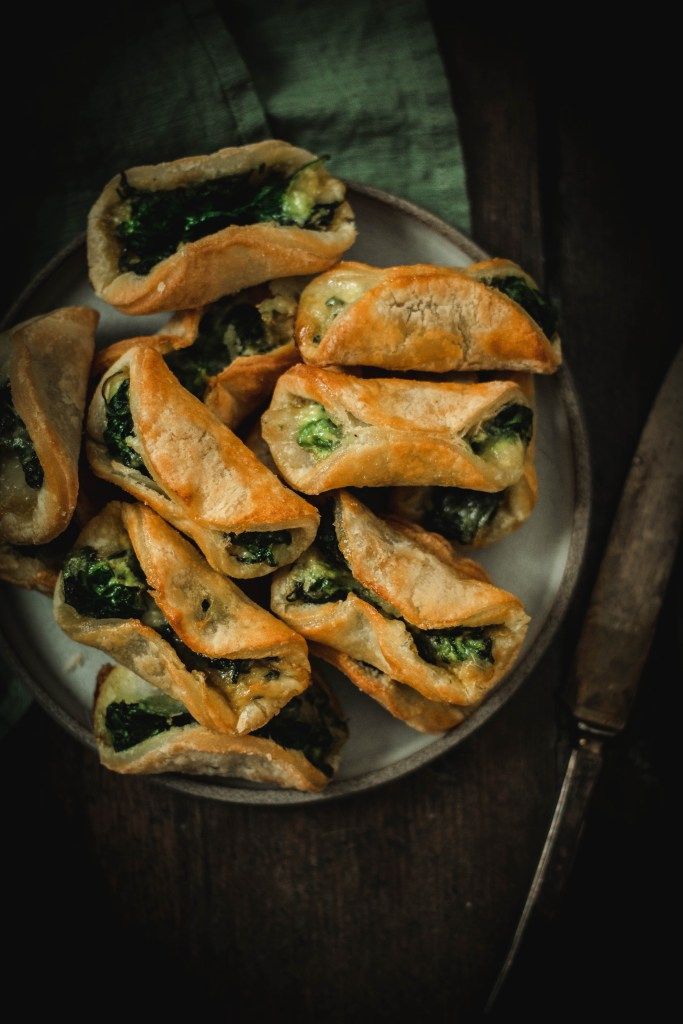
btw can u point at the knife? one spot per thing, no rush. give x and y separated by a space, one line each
615 638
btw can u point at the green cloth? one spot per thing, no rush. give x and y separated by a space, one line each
362 82
144 82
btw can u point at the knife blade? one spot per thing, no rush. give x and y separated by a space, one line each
615 638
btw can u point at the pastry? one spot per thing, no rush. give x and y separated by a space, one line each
230 353
135 588
44 368
474 518
328 429
396 597
181 234
487 317
149 435
141 730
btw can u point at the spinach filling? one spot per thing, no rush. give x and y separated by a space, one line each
16 441
118 428
530 299
115 587
308 723
227 330
455 644
257 547
318 434
460 514
105 588
514 422
130 724
159 221
329 578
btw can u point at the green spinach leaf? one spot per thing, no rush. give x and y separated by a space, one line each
15 439
105 588
130 724
256 547
530 299
460 514
119 426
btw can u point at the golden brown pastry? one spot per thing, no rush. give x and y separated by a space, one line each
397 598
154 439
135 588
181 234
230 353
470 517
35 567
490 316
44 367
328 429
141 730
401 701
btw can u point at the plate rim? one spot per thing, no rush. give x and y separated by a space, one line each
407 765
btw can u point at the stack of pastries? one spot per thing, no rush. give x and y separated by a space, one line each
284 476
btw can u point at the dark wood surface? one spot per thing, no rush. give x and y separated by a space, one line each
402 902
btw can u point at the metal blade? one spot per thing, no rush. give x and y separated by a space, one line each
627 596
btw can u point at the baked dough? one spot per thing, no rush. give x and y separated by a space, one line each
226 261
202 478
417 585
195 750
401 701
206 611
420 317
507 510
246 382
388 432
44 368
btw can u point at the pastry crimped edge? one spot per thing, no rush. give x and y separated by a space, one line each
518 503
54 347
401 701
422 317
396 432
142 650
198 751
420 571
218 264
237 493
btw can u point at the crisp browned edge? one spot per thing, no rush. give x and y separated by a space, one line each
582 480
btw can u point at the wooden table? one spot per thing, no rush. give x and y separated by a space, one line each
402 901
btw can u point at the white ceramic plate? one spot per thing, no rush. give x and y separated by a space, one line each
540 562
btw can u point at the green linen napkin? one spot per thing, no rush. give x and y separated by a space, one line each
361 81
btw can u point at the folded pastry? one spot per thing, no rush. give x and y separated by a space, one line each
399 700
141 730
230 353
44 368
181 234
490 316
328 429
396 597
154 439
469 517
135 588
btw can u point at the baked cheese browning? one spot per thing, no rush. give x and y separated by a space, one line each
253 323
140 729
16 445
151 225
119 432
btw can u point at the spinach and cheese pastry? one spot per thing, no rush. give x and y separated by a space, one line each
141 730
327 429
44 368
181 234
423 317
394 596
33 567
470 517
401 701
133 587
230 353
150 436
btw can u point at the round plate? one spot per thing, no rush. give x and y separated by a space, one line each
540 562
